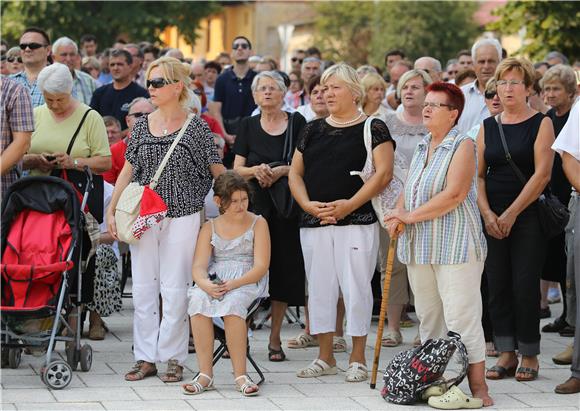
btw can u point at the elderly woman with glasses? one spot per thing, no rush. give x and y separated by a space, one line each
442 241
339 231
259 144
162 260
517 245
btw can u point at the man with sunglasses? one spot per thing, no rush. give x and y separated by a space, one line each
110 99
35 51
233 98
297 58
137 109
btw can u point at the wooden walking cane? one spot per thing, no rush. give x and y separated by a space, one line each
384 302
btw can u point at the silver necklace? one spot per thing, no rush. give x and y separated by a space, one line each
344 123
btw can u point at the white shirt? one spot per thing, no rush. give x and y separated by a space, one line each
475 110
285 107
307 112
569 138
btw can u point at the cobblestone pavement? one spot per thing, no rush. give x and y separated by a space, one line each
104 388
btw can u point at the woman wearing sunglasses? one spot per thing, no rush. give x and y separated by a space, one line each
162 259
442 241
14 60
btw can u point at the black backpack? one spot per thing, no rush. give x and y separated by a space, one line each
412 372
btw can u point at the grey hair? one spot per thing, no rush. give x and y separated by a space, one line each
563 74
348 75
364 70
557 55
311 60
412 74
138 100
434 62
487 42
271 75
55 78
13 52
64 41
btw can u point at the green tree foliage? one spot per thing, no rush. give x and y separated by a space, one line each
545 25
135 20
361 32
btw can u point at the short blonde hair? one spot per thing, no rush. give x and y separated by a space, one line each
174 71
490 86
371 80
347 74
412 74
520 65
562 74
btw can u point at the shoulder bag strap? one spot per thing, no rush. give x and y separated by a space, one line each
155 179
288 140
74 137
508 156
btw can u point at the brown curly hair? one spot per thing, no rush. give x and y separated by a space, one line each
226 185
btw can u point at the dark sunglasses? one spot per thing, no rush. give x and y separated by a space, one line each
242 45
296 59
137 114
31 46
158 82
13 59
490 95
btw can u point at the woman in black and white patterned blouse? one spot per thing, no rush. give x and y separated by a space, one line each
162 259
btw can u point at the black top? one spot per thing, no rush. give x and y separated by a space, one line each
186 179
559 183
329 155
109 102
259 147
235 94
501 184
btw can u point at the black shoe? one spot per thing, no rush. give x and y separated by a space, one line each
567 331
545 312
556 326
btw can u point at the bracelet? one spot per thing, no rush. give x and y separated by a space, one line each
76 163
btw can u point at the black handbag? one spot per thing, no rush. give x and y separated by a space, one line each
280 191
553 214
78 179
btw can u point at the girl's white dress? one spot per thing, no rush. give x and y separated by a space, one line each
230 259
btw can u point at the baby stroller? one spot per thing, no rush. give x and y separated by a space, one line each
42 237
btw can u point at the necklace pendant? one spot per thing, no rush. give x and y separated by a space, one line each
164 131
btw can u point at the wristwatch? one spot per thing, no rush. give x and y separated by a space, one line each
76 163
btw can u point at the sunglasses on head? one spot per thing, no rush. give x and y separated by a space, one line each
296 59
31 46
158 82
138 114
13 59
490 94
244 46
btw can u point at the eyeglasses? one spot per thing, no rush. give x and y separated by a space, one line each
490 95
31 46
138 114
244 46
263 89
433 104
158 82
296 59
514 83
13 59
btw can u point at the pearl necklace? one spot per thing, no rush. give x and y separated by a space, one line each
344 123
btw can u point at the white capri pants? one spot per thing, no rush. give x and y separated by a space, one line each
448 297
161 263
345 257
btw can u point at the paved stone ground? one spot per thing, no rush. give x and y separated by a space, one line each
104 387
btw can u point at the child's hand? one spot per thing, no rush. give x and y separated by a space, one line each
230 285
213 290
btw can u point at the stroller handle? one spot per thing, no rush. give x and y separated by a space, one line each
89 173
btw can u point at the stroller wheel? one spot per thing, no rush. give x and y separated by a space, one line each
72 356
14 355
86 357
57 375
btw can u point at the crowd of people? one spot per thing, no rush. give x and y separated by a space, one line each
239 139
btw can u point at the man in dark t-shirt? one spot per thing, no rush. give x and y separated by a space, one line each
110 99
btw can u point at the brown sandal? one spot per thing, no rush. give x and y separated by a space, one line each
174 372
138 373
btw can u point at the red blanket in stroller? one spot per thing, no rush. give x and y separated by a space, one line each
34 260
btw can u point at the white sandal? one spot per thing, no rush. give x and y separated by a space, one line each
338 344
356 372
316 369
302 340
246 386
197 385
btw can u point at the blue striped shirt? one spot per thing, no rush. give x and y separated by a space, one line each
445 239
